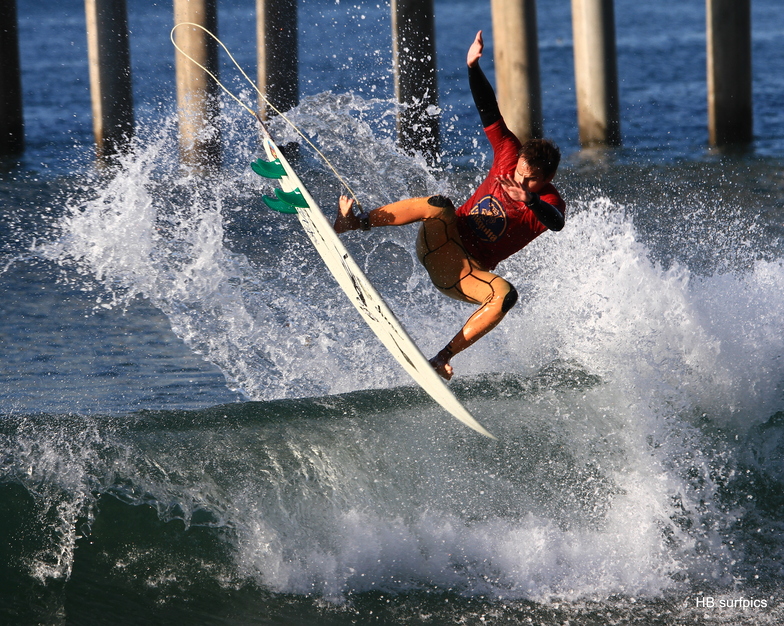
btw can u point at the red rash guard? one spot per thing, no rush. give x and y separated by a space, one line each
492 226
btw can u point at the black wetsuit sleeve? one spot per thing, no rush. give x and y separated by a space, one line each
484 96
546 213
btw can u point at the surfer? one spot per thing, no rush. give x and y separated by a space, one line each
461 247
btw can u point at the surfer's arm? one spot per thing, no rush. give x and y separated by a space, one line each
484 96
545 212
481 89
549 215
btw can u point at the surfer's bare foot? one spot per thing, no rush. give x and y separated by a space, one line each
346 220
441 364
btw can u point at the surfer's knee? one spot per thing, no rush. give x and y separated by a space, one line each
442 202
441 207
510 299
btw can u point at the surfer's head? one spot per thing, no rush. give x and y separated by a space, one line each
537 162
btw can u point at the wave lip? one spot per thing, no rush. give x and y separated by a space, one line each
376 492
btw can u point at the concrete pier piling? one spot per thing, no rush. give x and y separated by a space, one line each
516 56
197 93
730 115
11 116
278 57
416 86
596 72
110 76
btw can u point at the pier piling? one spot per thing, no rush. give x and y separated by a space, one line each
414 60
596 72
110 75
516 56
11 117
729 71
197 93
278 57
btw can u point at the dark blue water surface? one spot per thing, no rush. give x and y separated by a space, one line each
346 46
195 426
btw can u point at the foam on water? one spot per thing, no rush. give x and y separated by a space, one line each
160 233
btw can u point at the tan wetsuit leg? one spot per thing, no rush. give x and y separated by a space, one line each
453 271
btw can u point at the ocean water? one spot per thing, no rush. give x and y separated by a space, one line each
196 426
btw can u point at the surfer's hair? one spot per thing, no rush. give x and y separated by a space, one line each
541 154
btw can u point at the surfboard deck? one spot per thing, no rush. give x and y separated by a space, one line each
293 197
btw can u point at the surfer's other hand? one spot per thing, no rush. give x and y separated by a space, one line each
442 366
346 220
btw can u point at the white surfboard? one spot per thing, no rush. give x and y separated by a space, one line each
354 283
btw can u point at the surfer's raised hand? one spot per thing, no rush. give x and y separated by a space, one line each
475 51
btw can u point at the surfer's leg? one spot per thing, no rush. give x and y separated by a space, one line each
395 214
499 297
453 271
412 210
456 274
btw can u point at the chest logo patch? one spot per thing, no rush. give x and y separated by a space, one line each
488 219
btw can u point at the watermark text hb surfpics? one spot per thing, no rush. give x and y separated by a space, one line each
709 602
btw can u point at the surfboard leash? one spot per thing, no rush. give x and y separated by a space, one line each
263 97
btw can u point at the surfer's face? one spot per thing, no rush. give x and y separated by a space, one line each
530 178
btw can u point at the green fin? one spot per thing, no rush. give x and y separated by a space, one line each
294 198
268 169
280 206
